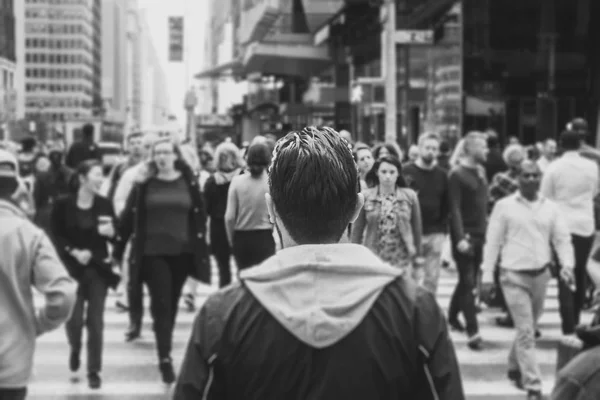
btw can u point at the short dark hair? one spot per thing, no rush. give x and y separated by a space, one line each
87 131
393 150
258 158
372 178
314 183
570 140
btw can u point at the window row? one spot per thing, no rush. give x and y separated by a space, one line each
57 88
59 2
57 103
55 13
58 44
33 27
57 73
57 58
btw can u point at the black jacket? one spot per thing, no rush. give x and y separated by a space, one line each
67 236
131 226
238 350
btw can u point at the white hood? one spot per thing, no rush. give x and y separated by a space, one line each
320 293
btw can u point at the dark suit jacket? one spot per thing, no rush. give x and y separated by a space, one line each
68 236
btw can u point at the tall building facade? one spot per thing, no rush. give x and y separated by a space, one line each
114 58
8 60
63 68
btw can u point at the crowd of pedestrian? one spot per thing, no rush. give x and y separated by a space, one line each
364 233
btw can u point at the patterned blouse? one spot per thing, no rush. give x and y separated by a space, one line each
392 247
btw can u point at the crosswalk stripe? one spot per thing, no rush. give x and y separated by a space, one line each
484 373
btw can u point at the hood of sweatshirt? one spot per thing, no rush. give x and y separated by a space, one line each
320 293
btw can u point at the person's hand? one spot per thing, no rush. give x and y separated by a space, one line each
463 246
83 257
568 277
487 292
106 230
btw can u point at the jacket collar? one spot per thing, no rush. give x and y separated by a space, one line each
9 208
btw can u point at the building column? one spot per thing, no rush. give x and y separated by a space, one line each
342 108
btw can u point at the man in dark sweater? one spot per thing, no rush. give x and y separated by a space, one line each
431 184
468 198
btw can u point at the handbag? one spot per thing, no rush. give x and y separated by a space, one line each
105 268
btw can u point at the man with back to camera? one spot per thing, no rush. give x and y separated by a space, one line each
84 149
320 319
27 258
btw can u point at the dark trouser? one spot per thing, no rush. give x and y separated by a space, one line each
135 298
463 298
92 290
251 248
13 394
165 277
220 248
570 304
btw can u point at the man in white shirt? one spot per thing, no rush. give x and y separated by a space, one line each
572 182
522 232
122 191
548 154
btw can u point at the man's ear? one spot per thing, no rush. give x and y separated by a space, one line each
270 208
360 202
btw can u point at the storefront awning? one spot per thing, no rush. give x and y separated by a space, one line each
286 59
430 12
226 69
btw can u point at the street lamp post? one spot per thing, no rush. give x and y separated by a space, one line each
391 86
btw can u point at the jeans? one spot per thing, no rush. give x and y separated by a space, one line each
92 291
251 248
432 245
13 394
570 304
165 277
221 250
525 294
463 298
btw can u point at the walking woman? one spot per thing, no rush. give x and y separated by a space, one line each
390 222
246 218
165 219
228 163
82 226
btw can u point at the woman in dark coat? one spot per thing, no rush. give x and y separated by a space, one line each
82 226
166 221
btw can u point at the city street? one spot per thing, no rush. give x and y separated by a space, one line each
130 370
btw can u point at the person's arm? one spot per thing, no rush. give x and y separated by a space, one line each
231 211
50 278
547 184
70 158
445 204
58 227
561 241
437 350
454 201
122 192
125 224
416 222
494 241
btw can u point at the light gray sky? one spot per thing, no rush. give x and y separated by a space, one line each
179 77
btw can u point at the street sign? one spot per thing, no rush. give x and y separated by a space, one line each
176 39
414 36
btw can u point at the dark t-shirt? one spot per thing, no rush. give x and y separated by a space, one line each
468 199
168 206
431 186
